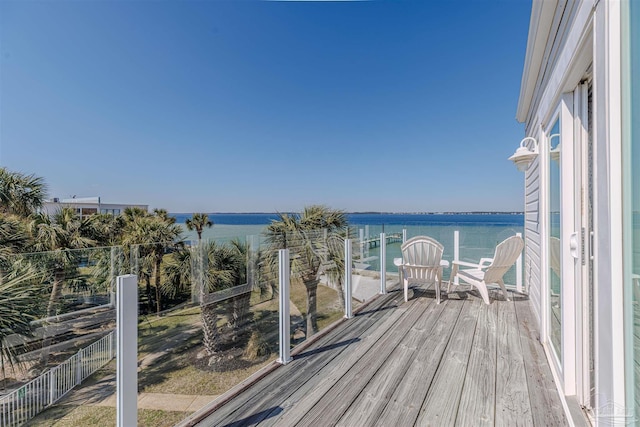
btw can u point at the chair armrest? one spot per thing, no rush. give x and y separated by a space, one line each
485 260
397 262
467 264
420 266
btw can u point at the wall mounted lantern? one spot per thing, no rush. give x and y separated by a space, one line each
525 155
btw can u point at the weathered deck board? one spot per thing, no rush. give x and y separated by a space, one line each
477 404
293 402
513 407
281 382
405 403
417 363
441 406
368 406
545 405
325 399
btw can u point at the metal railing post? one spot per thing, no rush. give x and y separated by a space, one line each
51 388
127 351
404 235
456 250
519 269
383 263
78 367
285 318
112 278
347 279
367 237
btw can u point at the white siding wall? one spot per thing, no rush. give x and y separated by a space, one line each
572 29
533 254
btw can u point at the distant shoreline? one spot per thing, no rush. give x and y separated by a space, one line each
365 213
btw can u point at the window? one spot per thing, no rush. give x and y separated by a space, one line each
89 211
631 188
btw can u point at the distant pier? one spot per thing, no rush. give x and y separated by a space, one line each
374 242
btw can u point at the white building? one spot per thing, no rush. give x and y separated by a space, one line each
580 102
86 206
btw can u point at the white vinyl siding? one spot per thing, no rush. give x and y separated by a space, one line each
532 263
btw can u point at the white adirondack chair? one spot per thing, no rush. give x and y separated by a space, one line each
489 270
421 258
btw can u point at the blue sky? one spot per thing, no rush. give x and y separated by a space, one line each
244 106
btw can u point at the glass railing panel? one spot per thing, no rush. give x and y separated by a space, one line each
330 292
70 280
316 279
366 253
57 333
164 276
365 273
197 351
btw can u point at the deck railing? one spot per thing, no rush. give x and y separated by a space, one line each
240 321
26 402
375 253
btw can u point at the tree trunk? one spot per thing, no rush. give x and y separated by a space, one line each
340 290
147 280
312 306
239 313
211 337
157 279
56 292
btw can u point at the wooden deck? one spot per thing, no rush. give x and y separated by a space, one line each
402 364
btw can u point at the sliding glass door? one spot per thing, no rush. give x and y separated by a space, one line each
631 185
554 233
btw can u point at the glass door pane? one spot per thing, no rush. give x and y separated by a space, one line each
555 240
631 131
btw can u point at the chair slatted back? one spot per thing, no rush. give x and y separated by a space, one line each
507 253
420 252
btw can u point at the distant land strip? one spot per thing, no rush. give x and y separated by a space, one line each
368 213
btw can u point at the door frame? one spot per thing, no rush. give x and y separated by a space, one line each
565 366
583 225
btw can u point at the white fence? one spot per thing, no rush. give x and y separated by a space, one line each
22 404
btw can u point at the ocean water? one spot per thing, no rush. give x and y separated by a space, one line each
478 233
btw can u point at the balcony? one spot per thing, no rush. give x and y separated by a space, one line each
417 363
459 362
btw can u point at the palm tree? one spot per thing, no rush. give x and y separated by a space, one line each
18 307
198 222
178 270
106 229
164 215
154 233
13 238
306 237
333 264
56 236
21 194
131 213
220 273
224 267
134 239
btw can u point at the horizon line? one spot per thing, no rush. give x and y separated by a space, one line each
364 212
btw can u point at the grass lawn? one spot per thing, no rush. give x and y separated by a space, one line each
328 303
188 379
172 345
74 416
